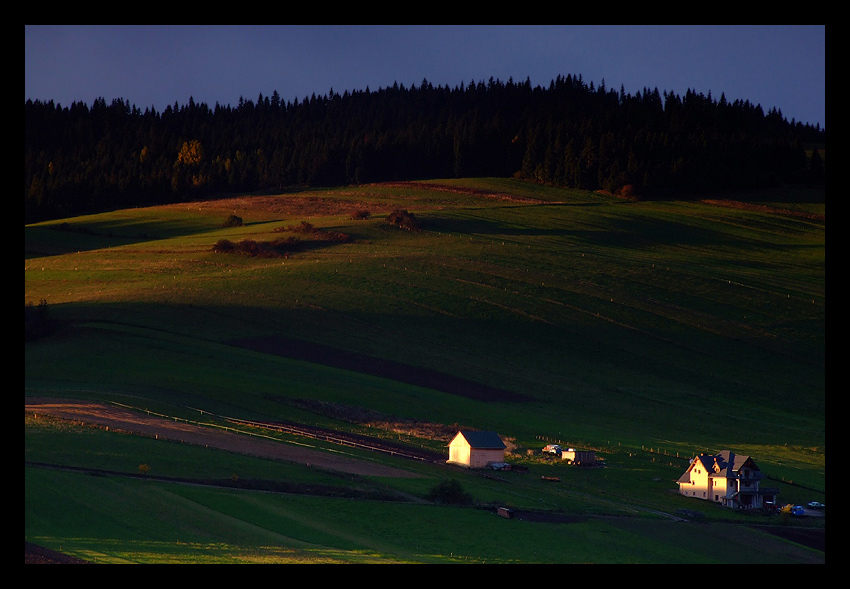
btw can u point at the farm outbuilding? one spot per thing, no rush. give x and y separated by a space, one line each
476 449
574 456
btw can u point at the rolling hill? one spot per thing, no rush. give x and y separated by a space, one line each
648 331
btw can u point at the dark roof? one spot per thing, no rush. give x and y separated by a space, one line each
483 439
728 464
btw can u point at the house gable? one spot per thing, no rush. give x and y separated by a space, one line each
695 481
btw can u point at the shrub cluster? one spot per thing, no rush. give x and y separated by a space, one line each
404 219
281 246
65 226
315 233
233 221
37 321
303 227
256 249
449 492
360 215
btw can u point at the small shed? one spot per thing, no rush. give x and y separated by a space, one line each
476 449
579 456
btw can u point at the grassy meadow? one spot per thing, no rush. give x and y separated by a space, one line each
648 331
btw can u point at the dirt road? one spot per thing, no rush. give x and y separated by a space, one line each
117 418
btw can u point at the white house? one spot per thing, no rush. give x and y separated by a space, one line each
476 449
726 478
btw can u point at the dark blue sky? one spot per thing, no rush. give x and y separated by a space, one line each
782 66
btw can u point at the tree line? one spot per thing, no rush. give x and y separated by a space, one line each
82 158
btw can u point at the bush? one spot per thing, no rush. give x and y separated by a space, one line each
303 227
280 246
336 236
315 233
233 221
289 243
257 249
248 247
37 322
628 192
404 219
224 246
359 215
449 492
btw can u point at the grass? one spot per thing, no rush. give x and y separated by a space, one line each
121 521
683 326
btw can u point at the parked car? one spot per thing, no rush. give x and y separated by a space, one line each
815 505
552 449
798 510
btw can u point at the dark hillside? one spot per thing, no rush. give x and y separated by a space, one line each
106 156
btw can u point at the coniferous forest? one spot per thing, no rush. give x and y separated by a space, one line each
81 158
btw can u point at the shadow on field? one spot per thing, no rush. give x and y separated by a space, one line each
414 375
640 232
625 230
487 227
66 237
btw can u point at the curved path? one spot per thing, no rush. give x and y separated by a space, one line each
168 429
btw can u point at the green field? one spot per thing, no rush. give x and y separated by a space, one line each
648 331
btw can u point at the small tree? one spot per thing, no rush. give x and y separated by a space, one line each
450 492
